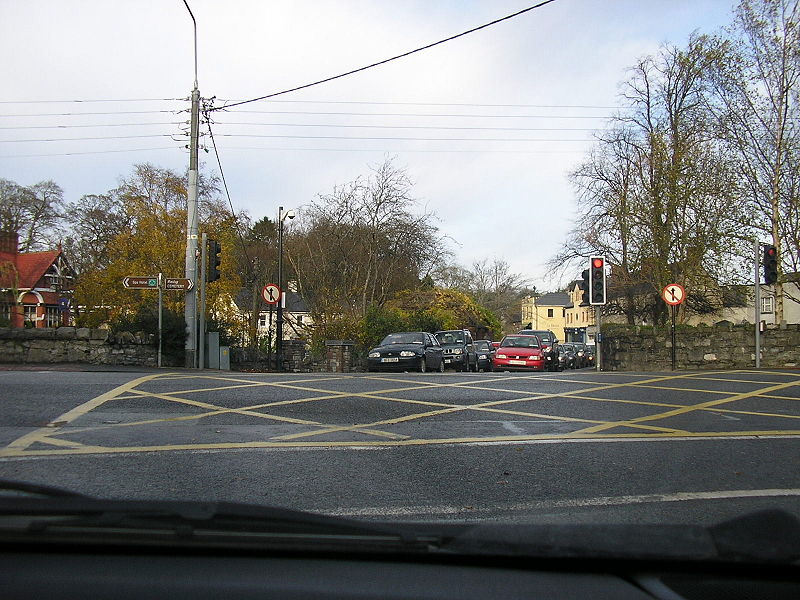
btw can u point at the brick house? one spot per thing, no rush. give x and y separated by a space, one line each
35 287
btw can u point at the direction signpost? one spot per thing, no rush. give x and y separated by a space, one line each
160 283
673 294
178 283
147 282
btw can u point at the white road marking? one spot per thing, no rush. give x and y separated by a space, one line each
407 511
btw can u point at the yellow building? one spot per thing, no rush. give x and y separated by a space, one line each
579 320
546 312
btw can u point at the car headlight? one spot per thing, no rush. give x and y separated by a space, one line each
374 354
580 353
546 350
407 353
456 350
482 356
500 356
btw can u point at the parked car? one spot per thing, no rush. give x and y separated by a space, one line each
458 349
550 347
523 352
581 356
485 352
567 354
406 351
590 350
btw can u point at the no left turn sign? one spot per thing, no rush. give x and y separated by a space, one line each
271 293
673 294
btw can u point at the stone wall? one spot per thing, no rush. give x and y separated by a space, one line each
631 348
339 356
76 345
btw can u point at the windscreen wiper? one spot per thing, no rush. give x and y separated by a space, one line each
75 518
9 485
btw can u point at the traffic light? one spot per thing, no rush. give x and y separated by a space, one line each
770 262
214 250
584 286
597 280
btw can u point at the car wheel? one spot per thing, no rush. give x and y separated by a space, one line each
423 366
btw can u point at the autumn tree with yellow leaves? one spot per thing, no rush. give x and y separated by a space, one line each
139 229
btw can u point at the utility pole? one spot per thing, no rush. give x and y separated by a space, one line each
279 339
190 311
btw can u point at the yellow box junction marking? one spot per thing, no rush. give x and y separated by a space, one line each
49 436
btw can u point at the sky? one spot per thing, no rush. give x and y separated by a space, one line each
487 126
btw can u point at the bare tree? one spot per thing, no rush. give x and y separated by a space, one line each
33 212
361 243
757 102
655 195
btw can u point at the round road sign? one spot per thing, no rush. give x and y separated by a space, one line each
673 294
271 293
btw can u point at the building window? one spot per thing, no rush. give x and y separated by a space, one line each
30 315
52 317
549 313
262 320
299 319
767 305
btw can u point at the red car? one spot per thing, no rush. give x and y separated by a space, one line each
519 352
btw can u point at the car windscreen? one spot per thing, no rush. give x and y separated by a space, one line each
450 337
403 338
520 341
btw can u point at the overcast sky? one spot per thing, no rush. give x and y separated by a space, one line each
498 118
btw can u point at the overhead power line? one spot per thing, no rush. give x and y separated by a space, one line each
228 194
471 104
410 139
406 150
407 114
88 152
76 139
82 114
434 127
98 125
388 60
89 101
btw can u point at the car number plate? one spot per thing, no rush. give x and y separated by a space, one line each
447 361
517 362
390 359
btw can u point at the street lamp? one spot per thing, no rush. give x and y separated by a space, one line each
282 216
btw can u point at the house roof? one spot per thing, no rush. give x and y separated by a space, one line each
33 265
554 299
30 266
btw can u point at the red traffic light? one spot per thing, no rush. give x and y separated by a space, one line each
771 251
597 263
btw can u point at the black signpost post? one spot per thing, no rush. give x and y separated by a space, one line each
673 294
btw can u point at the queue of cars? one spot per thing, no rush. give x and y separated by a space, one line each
537 350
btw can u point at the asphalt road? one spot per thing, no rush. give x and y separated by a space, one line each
569 447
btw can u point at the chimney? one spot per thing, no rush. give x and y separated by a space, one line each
9 242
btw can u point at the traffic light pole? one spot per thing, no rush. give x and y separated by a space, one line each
202 279
598 341
757 308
